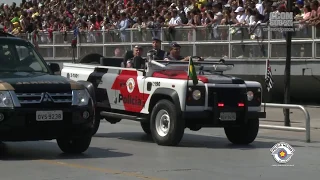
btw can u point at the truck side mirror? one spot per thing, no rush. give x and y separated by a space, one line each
55 68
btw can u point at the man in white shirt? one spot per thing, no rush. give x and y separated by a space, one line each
241 16
175 20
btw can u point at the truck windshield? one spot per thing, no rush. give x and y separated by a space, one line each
20 57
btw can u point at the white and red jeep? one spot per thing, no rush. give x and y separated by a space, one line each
165 103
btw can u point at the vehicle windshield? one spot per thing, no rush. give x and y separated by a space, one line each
18 56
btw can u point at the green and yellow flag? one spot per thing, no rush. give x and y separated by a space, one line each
192 72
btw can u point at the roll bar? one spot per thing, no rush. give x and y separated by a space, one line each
201 65
195 62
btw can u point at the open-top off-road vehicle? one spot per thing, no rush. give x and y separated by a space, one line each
36 104
165 102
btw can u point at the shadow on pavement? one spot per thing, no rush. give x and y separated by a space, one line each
191 140
44 150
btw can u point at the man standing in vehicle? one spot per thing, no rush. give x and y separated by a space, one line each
174 53
160 54
137 61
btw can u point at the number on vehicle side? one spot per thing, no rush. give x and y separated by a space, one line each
156 83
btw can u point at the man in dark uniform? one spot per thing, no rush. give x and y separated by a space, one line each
136 61
160 54
174 53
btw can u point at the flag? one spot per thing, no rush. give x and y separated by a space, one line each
192 72
268 76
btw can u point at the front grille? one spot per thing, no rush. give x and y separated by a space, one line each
37 98
229 96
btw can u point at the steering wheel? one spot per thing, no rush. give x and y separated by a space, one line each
197 57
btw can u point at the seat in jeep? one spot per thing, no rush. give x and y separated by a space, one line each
111 61
116 61
127 55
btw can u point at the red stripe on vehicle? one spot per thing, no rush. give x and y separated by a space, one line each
133 101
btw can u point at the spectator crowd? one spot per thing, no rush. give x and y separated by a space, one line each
91 15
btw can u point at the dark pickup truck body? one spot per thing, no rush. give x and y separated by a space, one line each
36 104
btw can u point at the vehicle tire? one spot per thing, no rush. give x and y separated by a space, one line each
146 127
167 128
243 135
96 125
74 145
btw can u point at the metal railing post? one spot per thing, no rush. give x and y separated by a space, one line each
286 128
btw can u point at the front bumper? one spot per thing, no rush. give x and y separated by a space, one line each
20 124
209 119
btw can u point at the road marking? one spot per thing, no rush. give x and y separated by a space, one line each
103 170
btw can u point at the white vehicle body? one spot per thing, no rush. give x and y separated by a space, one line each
217 100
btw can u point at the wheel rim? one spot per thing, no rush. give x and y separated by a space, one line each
162 123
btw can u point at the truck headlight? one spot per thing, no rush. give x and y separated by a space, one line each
80 97
196 94
6 99
250 95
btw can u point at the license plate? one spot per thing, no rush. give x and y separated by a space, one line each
228 116
49 115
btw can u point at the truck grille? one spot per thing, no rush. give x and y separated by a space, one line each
229 96
37 98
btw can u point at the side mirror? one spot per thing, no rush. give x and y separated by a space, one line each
54 67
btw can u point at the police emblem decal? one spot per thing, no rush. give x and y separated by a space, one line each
282 152
130 85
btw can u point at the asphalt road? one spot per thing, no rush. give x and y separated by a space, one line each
123 151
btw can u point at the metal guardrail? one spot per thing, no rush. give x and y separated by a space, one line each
286 128
210 42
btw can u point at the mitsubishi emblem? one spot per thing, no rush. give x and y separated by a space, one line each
46 98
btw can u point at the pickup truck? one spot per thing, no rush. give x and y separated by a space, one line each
165 100
36 104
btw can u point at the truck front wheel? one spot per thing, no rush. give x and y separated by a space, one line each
74 145
96 124
146 127
166 127
245 134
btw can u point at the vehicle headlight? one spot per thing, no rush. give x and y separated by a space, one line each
80 97
250 95
6 99
196 94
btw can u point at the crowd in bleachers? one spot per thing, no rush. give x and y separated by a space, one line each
91 15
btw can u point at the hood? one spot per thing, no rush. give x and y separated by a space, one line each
211 78
223 79
33 82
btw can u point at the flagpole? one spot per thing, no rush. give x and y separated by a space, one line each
265 76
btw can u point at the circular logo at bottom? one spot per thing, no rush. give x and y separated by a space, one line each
282 152
130 85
